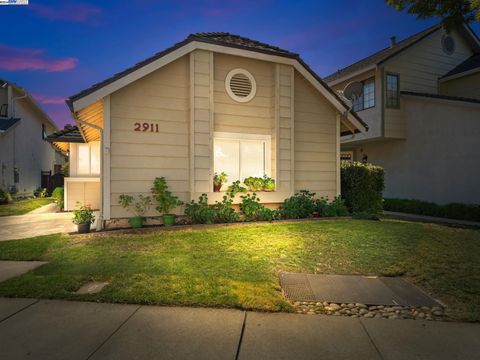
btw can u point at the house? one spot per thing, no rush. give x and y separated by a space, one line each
421 101
24 153
213 102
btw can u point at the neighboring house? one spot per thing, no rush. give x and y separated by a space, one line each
24 153
421 101
213 102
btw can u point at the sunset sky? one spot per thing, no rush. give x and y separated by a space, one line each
57 48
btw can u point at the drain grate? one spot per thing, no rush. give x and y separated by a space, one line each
296 287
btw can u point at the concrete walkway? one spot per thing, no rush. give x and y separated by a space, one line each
51 329
37 223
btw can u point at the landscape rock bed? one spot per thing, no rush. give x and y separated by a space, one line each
436 313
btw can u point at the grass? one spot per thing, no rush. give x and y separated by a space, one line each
21 207
237 266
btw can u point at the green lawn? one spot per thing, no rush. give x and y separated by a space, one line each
237 266
23 206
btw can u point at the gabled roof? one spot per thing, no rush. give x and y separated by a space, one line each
68 134
6 124
382 55
473 62
391 51
222 39
441 97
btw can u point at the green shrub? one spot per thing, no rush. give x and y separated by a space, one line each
5 197
83 215
362 187
40 193
138 207
299 206
224 213
58 195
236 188
336 207
165 199
253 210
470 212
200 212
268 183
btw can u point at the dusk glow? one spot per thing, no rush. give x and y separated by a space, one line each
60 47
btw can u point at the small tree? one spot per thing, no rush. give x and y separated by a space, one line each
165 199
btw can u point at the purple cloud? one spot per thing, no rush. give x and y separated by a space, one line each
15 59
74 12
49 100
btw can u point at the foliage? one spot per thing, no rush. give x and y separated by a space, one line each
253 210
83 214
40 193
453 12
165 199
219 179
253 183
5 197
66 169
224 212
236 188
200 212
268 183
362 187
299 206
138 207
470 212
336 207
58 195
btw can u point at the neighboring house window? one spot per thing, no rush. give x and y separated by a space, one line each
44 132
393 94
367 99
88 161
346 156
242 155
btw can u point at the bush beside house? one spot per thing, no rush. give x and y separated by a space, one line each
470 212
362 187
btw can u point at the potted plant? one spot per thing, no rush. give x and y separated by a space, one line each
138 208
166 201
218 181
268 183
83 217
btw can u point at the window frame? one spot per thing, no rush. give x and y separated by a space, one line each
362 101
266 139
387 105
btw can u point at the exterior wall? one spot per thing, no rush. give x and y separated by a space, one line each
372 116
437 161
466 86
138 157
315 141
86 191
24 148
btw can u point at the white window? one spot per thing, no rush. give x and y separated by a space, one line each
88 159
393 93
367 99
242 155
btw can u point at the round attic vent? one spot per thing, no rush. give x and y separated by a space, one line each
448 44
240 85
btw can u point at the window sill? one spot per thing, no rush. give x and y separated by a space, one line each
266 197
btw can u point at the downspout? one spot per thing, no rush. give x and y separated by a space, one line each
100 217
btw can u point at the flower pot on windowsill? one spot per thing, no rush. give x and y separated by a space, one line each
217 187
83 228
136 222
169 219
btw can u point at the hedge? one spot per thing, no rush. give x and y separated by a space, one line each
362 187
456 211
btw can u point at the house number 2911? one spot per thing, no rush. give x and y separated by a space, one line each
145 127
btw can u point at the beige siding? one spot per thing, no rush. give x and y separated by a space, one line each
466 86
85 192
315 141
138 157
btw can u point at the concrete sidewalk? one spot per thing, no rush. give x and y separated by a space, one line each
50 329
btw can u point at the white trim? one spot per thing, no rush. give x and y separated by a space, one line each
459 75
241 136
234 96
354 74
277 123
106 158
192 124
337 152
292 130
211 118
184 50
445 101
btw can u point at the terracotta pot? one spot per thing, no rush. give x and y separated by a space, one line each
217 187
83 228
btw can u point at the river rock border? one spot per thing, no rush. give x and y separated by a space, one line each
436 313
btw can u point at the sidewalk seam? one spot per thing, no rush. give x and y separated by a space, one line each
371 340
241 336
18 311
113 333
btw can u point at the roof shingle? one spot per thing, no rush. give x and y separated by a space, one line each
471 63
68 134
6 124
